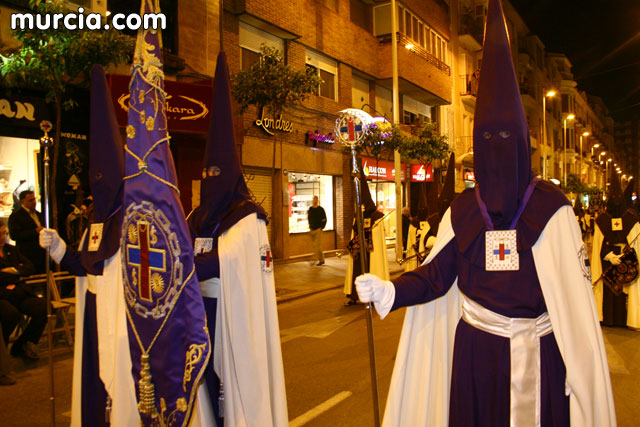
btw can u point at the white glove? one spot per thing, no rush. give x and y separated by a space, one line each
373 289
612 258
49 238
431 240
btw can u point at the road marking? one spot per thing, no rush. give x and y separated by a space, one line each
320 329
320 409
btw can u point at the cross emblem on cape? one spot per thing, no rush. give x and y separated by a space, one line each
146 259
95 233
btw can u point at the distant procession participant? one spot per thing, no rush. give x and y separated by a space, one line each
616 229
234 265
103 387
375 245
503 328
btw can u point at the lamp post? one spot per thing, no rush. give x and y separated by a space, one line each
606 173
549 94
586 135
564 160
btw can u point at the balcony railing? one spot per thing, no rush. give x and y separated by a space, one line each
404 41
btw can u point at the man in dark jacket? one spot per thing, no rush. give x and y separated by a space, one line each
17 299
317 220
24 225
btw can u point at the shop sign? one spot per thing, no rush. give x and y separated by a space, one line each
187 104
382 169
422 173
23 111
313 138
270 126
469 176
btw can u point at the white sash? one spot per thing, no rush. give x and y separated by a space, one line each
524 335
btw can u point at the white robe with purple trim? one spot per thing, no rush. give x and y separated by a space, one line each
420 385
247 353
113 344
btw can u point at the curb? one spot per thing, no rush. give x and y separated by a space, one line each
301 294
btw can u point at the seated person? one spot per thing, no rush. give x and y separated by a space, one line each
16 299
5 364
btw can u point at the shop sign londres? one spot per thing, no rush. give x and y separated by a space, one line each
270 126
422 173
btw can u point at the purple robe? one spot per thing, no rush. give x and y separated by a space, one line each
480 386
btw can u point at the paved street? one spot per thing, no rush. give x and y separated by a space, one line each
325 359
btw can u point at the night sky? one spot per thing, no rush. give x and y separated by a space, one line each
601 38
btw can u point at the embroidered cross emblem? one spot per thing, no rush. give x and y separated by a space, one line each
147 259
351 129
95 237
501 251
266 258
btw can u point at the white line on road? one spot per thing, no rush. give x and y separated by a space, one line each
320 409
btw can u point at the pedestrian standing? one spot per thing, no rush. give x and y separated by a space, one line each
317 220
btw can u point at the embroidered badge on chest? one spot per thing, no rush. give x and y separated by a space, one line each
202 245
616 224
265 258
95 237
501 251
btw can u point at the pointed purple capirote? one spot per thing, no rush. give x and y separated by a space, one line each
106 171
448 192
615 200
106 151
501 145
628 193
222 184
422 211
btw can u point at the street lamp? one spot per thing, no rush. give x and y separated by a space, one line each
585 134
549 94
606 173
564 160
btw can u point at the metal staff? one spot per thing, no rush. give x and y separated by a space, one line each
347 124
45 143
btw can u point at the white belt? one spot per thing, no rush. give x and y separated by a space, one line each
524 335
210 288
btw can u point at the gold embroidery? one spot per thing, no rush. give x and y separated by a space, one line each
133 234
143 116
150 123
194 355
141 97
181 404
131 132
157 283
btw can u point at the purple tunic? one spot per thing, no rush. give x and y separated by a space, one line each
480 386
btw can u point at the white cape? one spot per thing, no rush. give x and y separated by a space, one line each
412 260
378 261
420 385
247 355
113 344
632 290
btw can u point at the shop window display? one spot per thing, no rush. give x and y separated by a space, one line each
18 171
302 187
